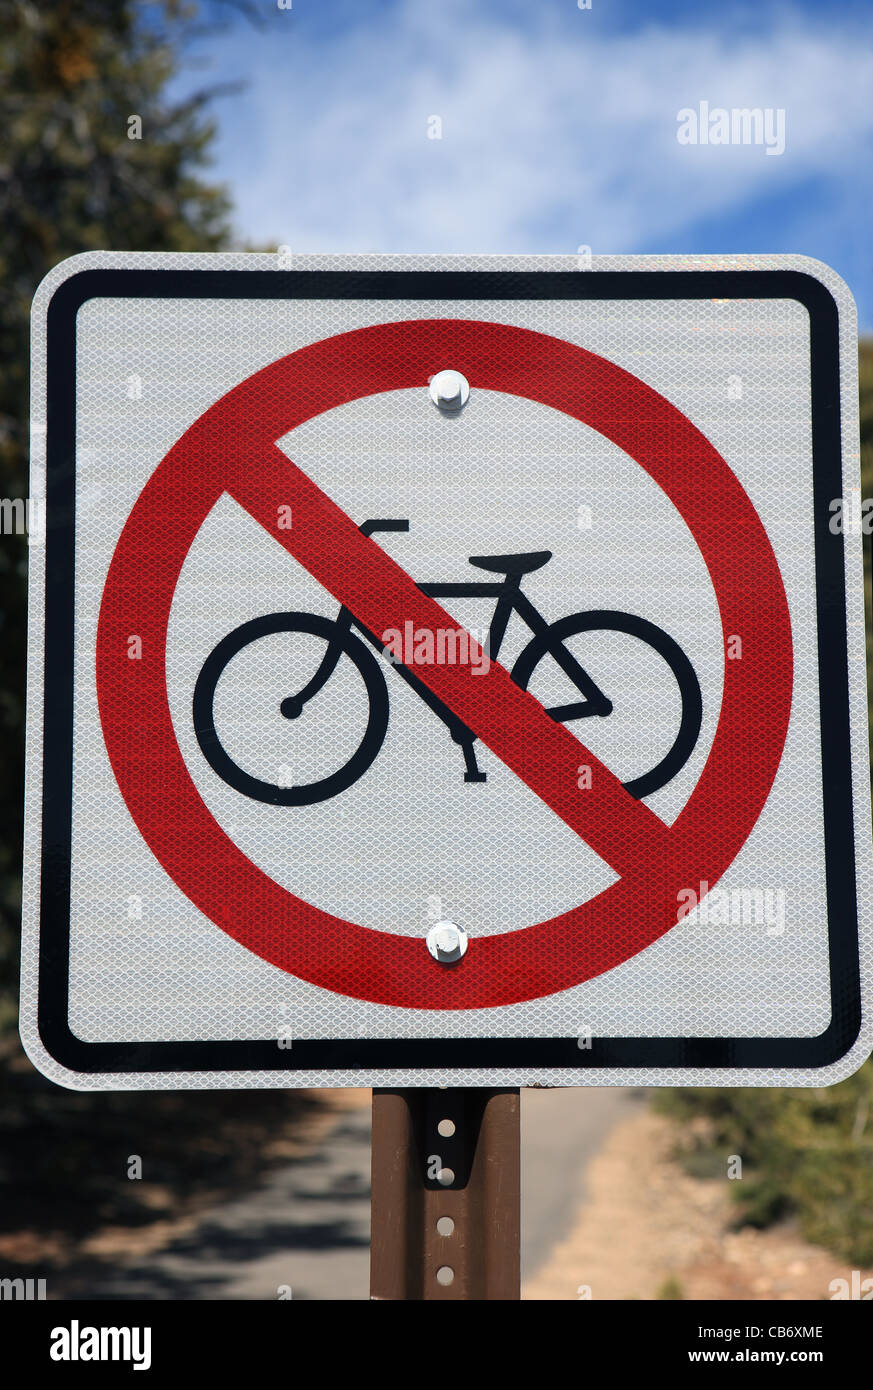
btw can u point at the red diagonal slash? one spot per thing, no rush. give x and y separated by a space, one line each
231 449
511 722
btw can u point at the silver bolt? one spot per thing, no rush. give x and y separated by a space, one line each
449 390
447 942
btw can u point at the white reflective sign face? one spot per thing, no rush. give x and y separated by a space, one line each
446 671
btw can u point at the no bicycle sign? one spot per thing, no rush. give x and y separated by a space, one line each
446 671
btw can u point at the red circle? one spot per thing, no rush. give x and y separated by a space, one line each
383 967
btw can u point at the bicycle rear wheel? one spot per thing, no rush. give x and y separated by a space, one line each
275 793
610 620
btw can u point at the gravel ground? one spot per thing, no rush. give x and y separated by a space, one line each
647 1230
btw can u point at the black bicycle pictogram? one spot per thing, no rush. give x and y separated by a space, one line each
548 641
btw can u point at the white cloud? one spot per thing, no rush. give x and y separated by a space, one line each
546 143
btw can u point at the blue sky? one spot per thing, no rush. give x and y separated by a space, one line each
559 126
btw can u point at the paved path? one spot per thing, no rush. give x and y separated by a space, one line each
561 1131
307 1226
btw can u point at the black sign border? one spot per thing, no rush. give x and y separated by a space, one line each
442 1054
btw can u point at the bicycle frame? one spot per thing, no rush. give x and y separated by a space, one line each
509 600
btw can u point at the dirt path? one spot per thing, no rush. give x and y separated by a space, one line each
304 1224
562 1131
604 1206
647 1230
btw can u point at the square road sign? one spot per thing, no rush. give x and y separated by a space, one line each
446 670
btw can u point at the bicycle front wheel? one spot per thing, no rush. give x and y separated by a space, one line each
339 642
610 620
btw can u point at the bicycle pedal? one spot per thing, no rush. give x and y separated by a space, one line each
475 776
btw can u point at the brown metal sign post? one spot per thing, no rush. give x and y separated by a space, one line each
446 1208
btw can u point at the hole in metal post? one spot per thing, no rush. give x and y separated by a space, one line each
446 1128
445 1226
445 1275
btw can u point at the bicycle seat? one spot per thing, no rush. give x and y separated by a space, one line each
512 564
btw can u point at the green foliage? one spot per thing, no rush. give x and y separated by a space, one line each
671 1289
71 179
807 1154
